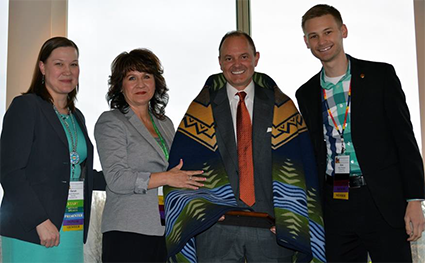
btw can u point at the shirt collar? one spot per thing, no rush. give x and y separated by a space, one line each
327 85
249 90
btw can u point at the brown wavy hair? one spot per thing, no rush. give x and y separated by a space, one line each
37 86
142 60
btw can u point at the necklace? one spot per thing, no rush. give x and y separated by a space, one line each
73 155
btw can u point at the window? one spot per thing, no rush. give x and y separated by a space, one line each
377 30
184 34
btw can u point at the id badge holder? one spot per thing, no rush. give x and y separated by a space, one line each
161 205
74 214
341 177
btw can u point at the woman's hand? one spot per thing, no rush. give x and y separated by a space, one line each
184 179
48 234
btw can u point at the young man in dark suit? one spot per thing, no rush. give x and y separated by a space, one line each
368 160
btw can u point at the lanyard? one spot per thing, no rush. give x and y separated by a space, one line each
73 155
162 144
345 118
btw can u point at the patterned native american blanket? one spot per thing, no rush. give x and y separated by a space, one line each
298 213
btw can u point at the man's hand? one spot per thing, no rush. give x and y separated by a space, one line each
48 234
414 219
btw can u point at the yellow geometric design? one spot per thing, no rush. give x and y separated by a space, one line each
287 124
198 124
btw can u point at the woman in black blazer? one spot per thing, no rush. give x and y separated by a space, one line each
46 161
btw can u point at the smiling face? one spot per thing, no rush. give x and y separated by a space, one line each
323 36
61 71
238 61
138 88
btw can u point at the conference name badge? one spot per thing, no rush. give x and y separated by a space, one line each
74 215
341 183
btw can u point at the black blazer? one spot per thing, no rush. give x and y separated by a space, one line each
35 167
262 119
382 136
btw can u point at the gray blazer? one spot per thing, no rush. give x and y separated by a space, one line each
129 154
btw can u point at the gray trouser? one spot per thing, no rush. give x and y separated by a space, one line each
223 243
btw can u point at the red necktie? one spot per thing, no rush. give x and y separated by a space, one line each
246 166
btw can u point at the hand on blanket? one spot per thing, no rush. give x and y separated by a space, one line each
184 179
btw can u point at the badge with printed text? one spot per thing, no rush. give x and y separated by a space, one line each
341 177
74 214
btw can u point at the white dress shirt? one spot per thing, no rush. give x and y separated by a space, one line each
234 100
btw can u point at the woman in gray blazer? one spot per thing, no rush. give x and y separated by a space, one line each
133 140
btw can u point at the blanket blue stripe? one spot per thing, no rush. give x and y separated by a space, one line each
290 197
317 234
178 199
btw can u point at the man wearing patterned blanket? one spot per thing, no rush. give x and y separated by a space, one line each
254 149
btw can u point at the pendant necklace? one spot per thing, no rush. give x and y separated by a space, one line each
73 155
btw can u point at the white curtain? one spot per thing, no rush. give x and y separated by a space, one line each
93 246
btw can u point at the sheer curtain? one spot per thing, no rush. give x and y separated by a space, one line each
418 247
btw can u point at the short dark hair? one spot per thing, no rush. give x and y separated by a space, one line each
37 84
142 60
237 33
321 10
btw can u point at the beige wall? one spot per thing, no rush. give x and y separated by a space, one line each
30 24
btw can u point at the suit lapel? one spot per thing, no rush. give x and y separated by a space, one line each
52 118
224 129
168 137
358 82
358 79
141 129
83 127
315 100
262 119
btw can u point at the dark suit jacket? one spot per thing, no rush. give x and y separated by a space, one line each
35 169
382 136
262 120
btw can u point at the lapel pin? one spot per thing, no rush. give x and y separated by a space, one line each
362 76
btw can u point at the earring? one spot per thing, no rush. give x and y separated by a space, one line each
42 80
